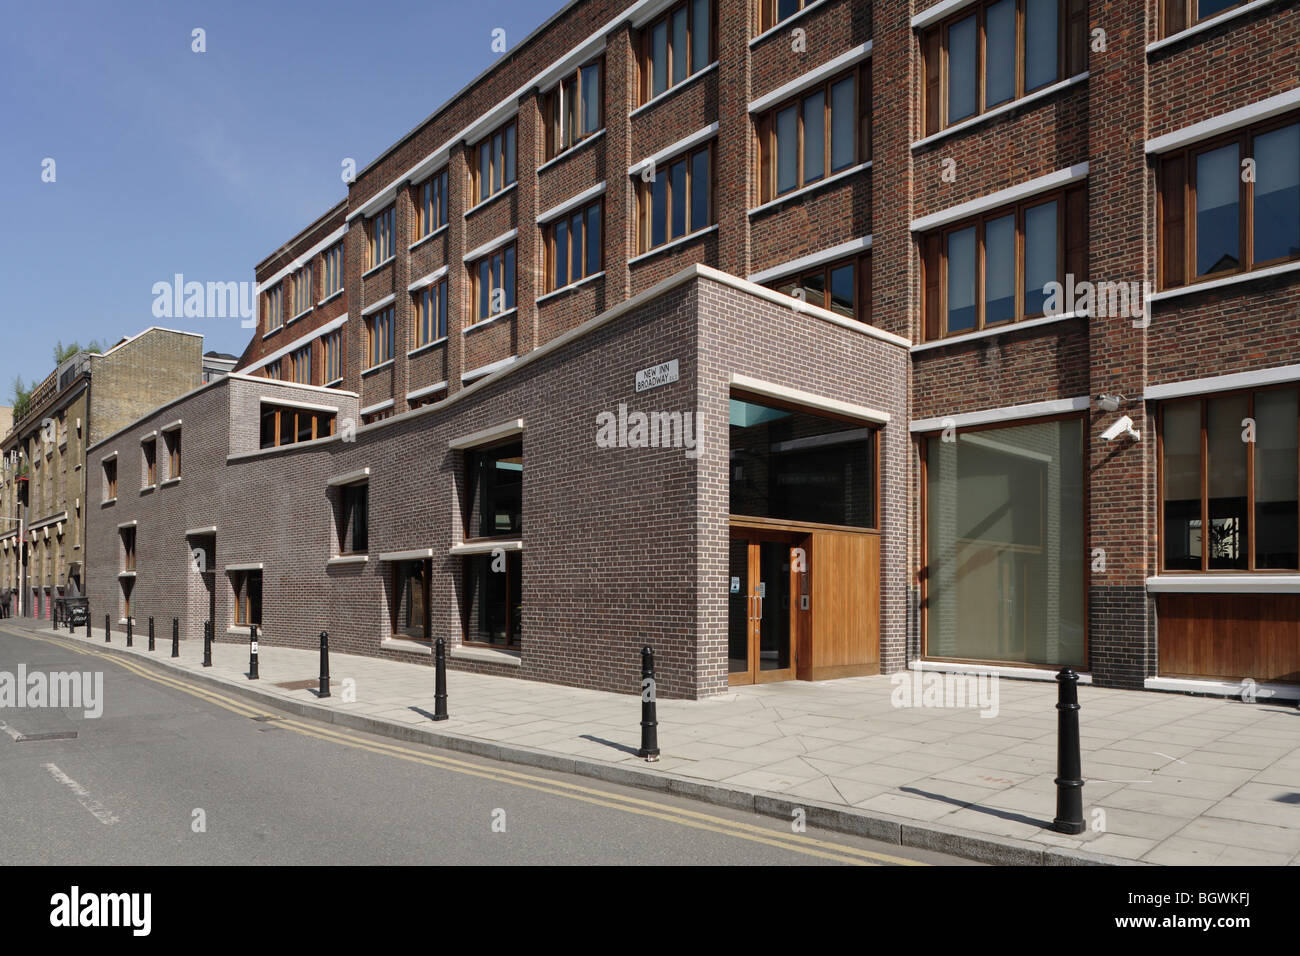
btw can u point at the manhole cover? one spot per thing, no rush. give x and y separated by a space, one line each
58 735
263 718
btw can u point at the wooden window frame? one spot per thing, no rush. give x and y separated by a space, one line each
1071 255
323 424
475 317
552 280
379 336
1176 207
496 163
296 362
395 610
149 457
243 601
1204 401
431 204
1179 15
128 549
172 440
1071 59
332 270
645 49
767 14
303 291
332 343
426 332
513 641
765 130
380 237
554 110
645 224
273 308
110 479
861 283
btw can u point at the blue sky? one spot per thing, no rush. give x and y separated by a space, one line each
170 161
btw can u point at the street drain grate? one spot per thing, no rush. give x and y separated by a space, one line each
263 718
58 735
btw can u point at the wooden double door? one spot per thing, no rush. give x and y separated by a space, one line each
768 604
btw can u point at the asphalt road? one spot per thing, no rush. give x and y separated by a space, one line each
176 773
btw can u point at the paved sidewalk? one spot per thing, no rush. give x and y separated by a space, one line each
1171 779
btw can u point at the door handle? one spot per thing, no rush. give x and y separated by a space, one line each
759 598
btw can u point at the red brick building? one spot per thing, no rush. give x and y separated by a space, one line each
994 229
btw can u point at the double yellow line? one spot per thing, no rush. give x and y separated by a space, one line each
774 837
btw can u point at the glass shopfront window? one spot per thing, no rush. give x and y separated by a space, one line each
796 466
1004 526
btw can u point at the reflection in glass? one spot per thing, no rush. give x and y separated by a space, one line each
1216 211
999 270
1226 480
1276 460
1041 265
1277 194
961 280
962 85
1181 438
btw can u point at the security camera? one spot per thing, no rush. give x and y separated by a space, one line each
1109 403
1122 426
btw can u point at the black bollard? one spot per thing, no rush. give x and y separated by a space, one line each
151 644
207 643
129 621
324 664
176 637
649 719
1069 764
440 679
108 634
252 652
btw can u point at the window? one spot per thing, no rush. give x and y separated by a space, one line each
275 370
431 207
272 309
494 169
999 51
287 425
300 365
1229 503
795 465
493 585
995 269
1005 544
430 313
493 279
172 439
128 586
823 131
433 398
412 615
381 238
379 416
1178 15
128 549
248 597
843 286
333 260
354 519
574 110
149 457
573 247
772 12
110 479
379 336
303 297
677 201
332 348
677 45
495 481
1213 222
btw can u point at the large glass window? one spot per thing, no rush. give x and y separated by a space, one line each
431 207
798 466
248 597
677 200
273 309
574 110
286 425
354 519
495 169
1014 47
381 238
817 134
431 314
333 260
493 602
493 279
1229 466
573 247
998 268
379 336
496 478
1231 206
1004 531
411 611
843 286
677 45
